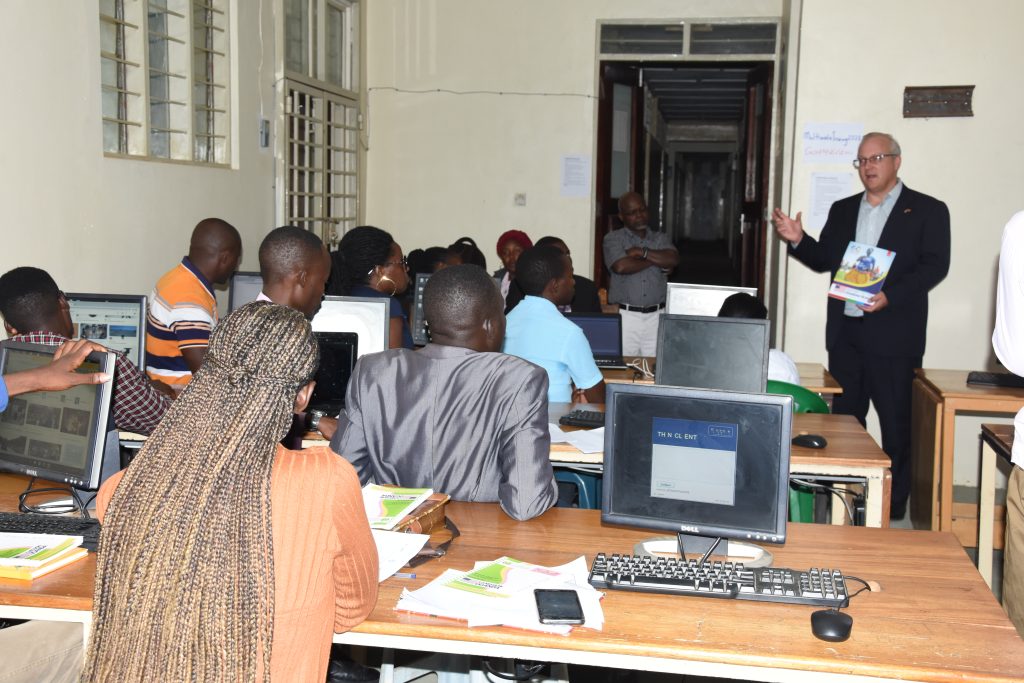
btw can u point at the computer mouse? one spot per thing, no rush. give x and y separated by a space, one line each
831 625
810 440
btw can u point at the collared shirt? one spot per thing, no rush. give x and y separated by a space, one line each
470 424
870 223
136 405
536 331
1008 335
646 287
264 297
395 310
182 312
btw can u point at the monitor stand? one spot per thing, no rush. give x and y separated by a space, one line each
737 551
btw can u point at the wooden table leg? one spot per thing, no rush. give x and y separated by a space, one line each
986 508
947 449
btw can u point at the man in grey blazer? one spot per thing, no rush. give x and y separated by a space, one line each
873 349
454 416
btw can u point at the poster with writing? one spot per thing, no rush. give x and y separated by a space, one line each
831 143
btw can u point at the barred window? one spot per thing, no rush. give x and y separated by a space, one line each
165 79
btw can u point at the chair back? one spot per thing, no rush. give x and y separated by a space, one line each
804 400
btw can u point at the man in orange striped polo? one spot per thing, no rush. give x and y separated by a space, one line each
183 306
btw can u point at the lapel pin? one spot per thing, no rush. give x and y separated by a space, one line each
907 210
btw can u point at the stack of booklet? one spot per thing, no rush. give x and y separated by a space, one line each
29 556
500 593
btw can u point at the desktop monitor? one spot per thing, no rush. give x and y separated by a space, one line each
366 316
338 353
420 337
712 353
117 321
704 464
243 289
683 298
63 436
604 334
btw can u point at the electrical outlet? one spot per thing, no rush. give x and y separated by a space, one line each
520 199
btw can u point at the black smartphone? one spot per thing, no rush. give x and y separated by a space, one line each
558 606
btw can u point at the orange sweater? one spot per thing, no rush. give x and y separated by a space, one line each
325 561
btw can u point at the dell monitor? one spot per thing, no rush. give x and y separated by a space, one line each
366 316
712 353
117 321
684 298
420 336
707 465
62 436
243 289
338 353
604 334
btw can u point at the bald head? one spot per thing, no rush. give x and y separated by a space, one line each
215 248
463 307
633 211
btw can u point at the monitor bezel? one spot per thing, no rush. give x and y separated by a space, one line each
231 286
92 472
659 367
334 336
784 403
420 335
141 299
381 302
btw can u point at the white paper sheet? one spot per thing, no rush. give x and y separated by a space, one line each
826 188
575 175
557 435
395 549
587 440
831 143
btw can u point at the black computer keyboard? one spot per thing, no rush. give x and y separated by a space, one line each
647 574
29 523
582 418
995 379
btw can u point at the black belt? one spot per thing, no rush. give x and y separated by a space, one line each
641 309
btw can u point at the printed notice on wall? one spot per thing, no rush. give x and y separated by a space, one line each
575 175
831 143
826 188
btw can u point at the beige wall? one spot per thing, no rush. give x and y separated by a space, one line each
107 224
440 165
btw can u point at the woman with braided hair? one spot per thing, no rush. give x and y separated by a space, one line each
224 556
369 262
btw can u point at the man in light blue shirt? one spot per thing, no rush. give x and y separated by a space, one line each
537 331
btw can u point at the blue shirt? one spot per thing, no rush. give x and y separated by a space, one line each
3 395
536 331
394 310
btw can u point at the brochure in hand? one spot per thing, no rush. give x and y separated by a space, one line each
861 273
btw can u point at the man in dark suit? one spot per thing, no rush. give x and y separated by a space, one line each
873 349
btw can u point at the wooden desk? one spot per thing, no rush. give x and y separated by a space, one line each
938 396
850 452
996 439
813 376
933 620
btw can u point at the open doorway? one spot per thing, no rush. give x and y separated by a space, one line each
694 139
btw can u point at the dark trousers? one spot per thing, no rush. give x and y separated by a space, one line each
887 382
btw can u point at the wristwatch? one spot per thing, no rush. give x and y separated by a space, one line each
314 420
644 256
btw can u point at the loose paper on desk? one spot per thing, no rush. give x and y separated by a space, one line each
500 593
587 440
387 505
395 549
33 550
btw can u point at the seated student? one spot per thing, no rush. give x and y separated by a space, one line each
585 300
455 415
58 375
35 311
183 307
294 266
538 332
781 367
369 263
464 250
225 555
511 245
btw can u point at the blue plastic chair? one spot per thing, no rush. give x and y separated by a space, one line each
588 487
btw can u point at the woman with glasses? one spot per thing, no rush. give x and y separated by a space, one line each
370 263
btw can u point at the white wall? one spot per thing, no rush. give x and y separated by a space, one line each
109 224
855 60
440 165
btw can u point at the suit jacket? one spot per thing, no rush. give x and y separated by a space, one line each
469 424
918 231
586 299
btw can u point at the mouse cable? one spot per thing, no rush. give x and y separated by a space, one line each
830 489
866 587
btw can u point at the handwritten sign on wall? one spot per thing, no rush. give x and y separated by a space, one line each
831 143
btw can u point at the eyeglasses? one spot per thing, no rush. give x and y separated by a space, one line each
876 159
404 262
635 212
